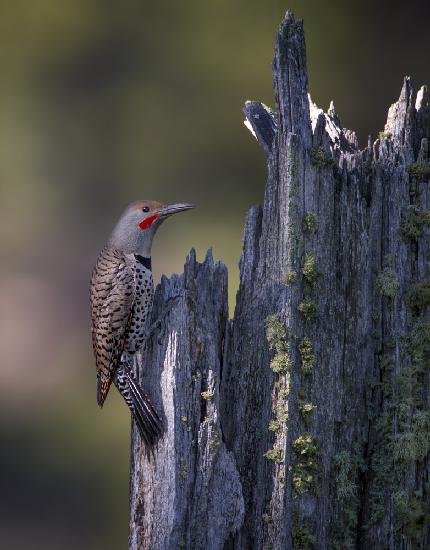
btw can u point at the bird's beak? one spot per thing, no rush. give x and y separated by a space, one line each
166 211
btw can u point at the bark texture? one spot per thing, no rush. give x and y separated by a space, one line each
304 421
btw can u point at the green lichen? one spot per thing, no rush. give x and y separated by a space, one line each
320 158
281 476
411 442
309 223
387 283
275 334
413 445
412 517
308 310
274 426
413 223
207 395
275 454
306 466
290 278
281 390
345 472
385 135
346 467
306 356
215 440
295 237
309 270
420 346
281 363
418 297
306 410
282 412
420 170
302 538
306 407
181 543
384 475
402 436
285 392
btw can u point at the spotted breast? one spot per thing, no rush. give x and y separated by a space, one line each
142 307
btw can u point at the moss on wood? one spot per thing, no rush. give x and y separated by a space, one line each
387 283
420 346
346 467
309 270
207 395
418 297
413 223
306 466
412 516
275 334
345 474
420 170
321 159
281 411
290 278
308 309
275 454
303 538
306 355
309 223
414 444
306 410
274 426
281 363
402 435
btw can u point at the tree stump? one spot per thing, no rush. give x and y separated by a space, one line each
304 421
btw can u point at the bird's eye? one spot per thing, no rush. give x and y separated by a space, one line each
145 209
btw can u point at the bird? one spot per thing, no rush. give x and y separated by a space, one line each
121 299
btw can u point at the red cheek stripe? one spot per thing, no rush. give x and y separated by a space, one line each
147 222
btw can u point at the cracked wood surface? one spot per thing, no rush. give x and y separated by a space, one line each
328 241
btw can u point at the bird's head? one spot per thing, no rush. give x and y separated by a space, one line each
137 225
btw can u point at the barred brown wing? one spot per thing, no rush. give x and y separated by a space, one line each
112 294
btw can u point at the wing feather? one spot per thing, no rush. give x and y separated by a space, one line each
112 297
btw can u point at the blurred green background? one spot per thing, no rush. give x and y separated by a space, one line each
102 103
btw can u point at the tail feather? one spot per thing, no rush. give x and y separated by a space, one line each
147 420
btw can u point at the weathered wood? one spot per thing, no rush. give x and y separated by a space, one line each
192 481
303 422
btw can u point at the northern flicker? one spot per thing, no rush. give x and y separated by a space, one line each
121 296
